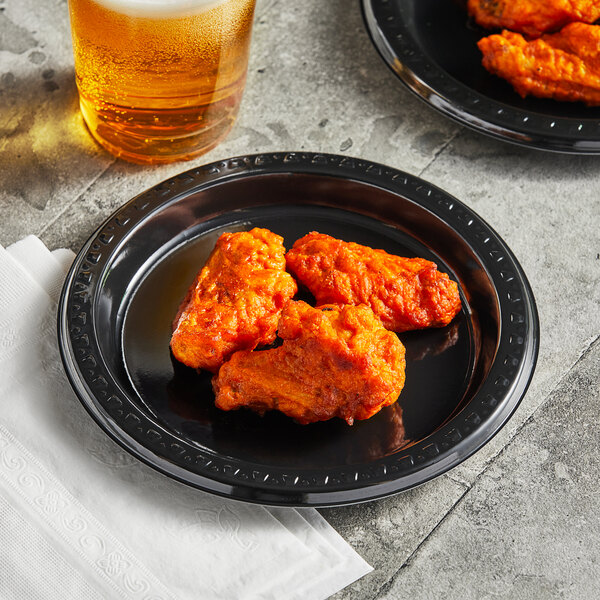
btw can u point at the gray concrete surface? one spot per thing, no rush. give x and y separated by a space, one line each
520 519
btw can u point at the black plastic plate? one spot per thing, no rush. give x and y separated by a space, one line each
431 45
462 381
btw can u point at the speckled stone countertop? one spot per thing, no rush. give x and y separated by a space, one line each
520 519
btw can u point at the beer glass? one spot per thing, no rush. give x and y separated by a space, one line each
160 80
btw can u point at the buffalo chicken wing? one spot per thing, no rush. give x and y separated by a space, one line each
235 301
405 293
533 17
334 362
562 66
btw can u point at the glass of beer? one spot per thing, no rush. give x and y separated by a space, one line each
160 80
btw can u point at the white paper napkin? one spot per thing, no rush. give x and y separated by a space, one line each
81 518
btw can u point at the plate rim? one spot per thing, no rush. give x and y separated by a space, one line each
280 486
465 105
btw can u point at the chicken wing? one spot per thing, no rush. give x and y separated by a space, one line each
563 66
405 293
235 301
334 362
533 17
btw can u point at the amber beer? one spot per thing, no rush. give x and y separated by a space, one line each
160 80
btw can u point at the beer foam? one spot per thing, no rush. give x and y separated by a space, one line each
159 8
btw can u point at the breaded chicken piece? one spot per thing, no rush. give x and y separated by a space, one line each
405 293
563 66
533 17
334 362
235 301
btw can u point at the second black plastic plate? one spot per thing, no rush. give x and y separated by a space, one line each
431 45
